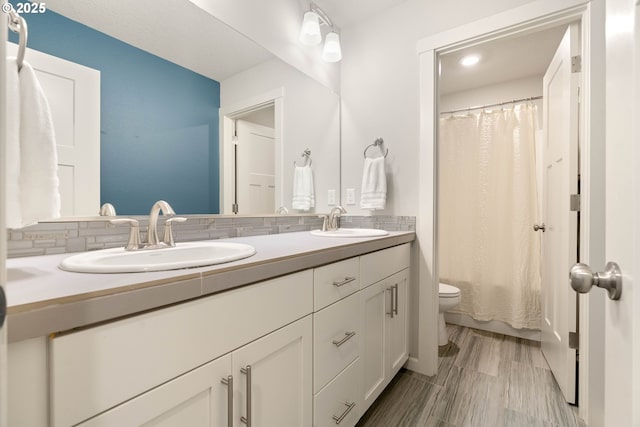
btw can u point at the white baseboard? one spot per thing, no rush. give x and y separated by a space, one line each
491 326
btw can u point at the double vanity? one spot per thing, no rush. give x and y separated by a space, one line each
307 331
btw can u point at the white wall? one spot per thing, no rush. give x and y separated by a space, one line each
311 119
506 91
380 89
275 25
380 97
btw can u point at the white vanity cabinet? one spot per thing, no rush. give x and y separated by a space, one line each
197 398
271 377
337 344
361 337
99 368
385 309
312 348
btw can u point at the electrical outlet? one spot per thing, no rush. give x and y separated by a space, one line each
351 196
331 197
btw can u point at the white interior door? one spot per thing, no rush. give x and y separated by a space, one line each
73 94
559 241
622 320
256 168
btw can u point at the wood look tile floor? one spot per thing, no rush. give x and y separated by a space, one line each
484 380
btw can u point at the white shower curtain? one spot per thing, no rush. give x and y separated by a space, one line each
486 209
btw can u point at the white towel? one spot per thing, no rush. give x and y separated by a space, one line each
303 193
374 184
32 178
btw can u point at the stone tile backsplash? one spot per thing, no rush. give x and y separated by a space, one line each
71 236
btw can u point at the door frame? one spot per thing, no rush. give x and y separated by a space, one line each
529 17
3 231
227 115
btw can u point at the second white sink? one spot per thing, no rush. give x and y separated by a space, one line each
351 232
183 255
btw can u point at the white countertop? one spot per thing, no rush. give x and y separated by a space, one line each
44 299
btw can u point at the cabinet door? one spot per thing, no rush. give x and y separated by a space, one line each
274 378
195 399
396 325
376 300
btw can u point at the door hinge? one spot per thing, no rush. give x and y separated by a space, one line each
234 208
576 64
574 202
574 340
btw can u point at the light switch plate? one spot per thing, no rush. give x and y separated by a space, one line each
331 197
351 196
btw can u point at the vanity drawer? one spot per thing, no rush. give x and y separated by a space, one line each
335 281
337 335
97 368
376 266
340 402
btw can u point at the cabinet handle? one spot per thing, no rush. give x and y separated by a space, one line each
344 282
349 406
390 313
347 337
395 300
247 372
229 383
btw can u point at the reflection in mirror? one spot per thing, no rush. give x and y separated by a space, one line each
168 95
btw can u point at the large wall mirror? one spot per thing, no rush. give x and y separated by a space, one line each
189 111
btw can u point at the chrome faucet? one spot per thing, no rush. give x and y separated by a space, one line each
152 234
153 241
333 217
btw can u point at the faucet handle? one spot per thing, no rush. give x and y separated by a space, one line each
325 221
167 237
134 235
107 209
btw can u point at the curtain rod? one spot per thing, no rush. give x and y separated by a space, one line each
482 107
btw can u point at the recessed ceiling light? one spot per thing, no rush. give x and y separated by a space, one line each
470 60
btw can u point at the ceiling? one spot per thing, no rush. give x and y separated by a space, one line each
501 60
217 52
346 12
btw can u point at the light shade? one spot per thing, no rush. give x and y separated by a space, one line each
332 51
310 32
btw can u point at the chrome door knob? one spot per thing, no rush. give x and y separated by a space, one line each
541 227
583 279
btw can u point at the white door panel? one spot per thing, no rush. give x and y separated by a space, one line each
255 168
73 94
559 241
622 321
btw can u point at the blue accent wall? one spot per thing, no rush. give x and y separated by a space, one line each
159 121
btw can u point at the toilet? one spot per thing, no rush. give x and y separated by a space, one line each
449 297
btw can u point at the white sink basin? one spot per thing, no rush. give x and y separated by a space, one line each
351 232
183 255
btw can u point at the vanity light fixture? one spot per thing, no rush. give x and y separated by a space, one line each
470 60
311 35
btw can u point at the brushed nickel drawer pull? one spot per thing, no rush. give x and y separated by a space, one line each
390 289
347 337
344 282
349 406
395 300
229 383
247 372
